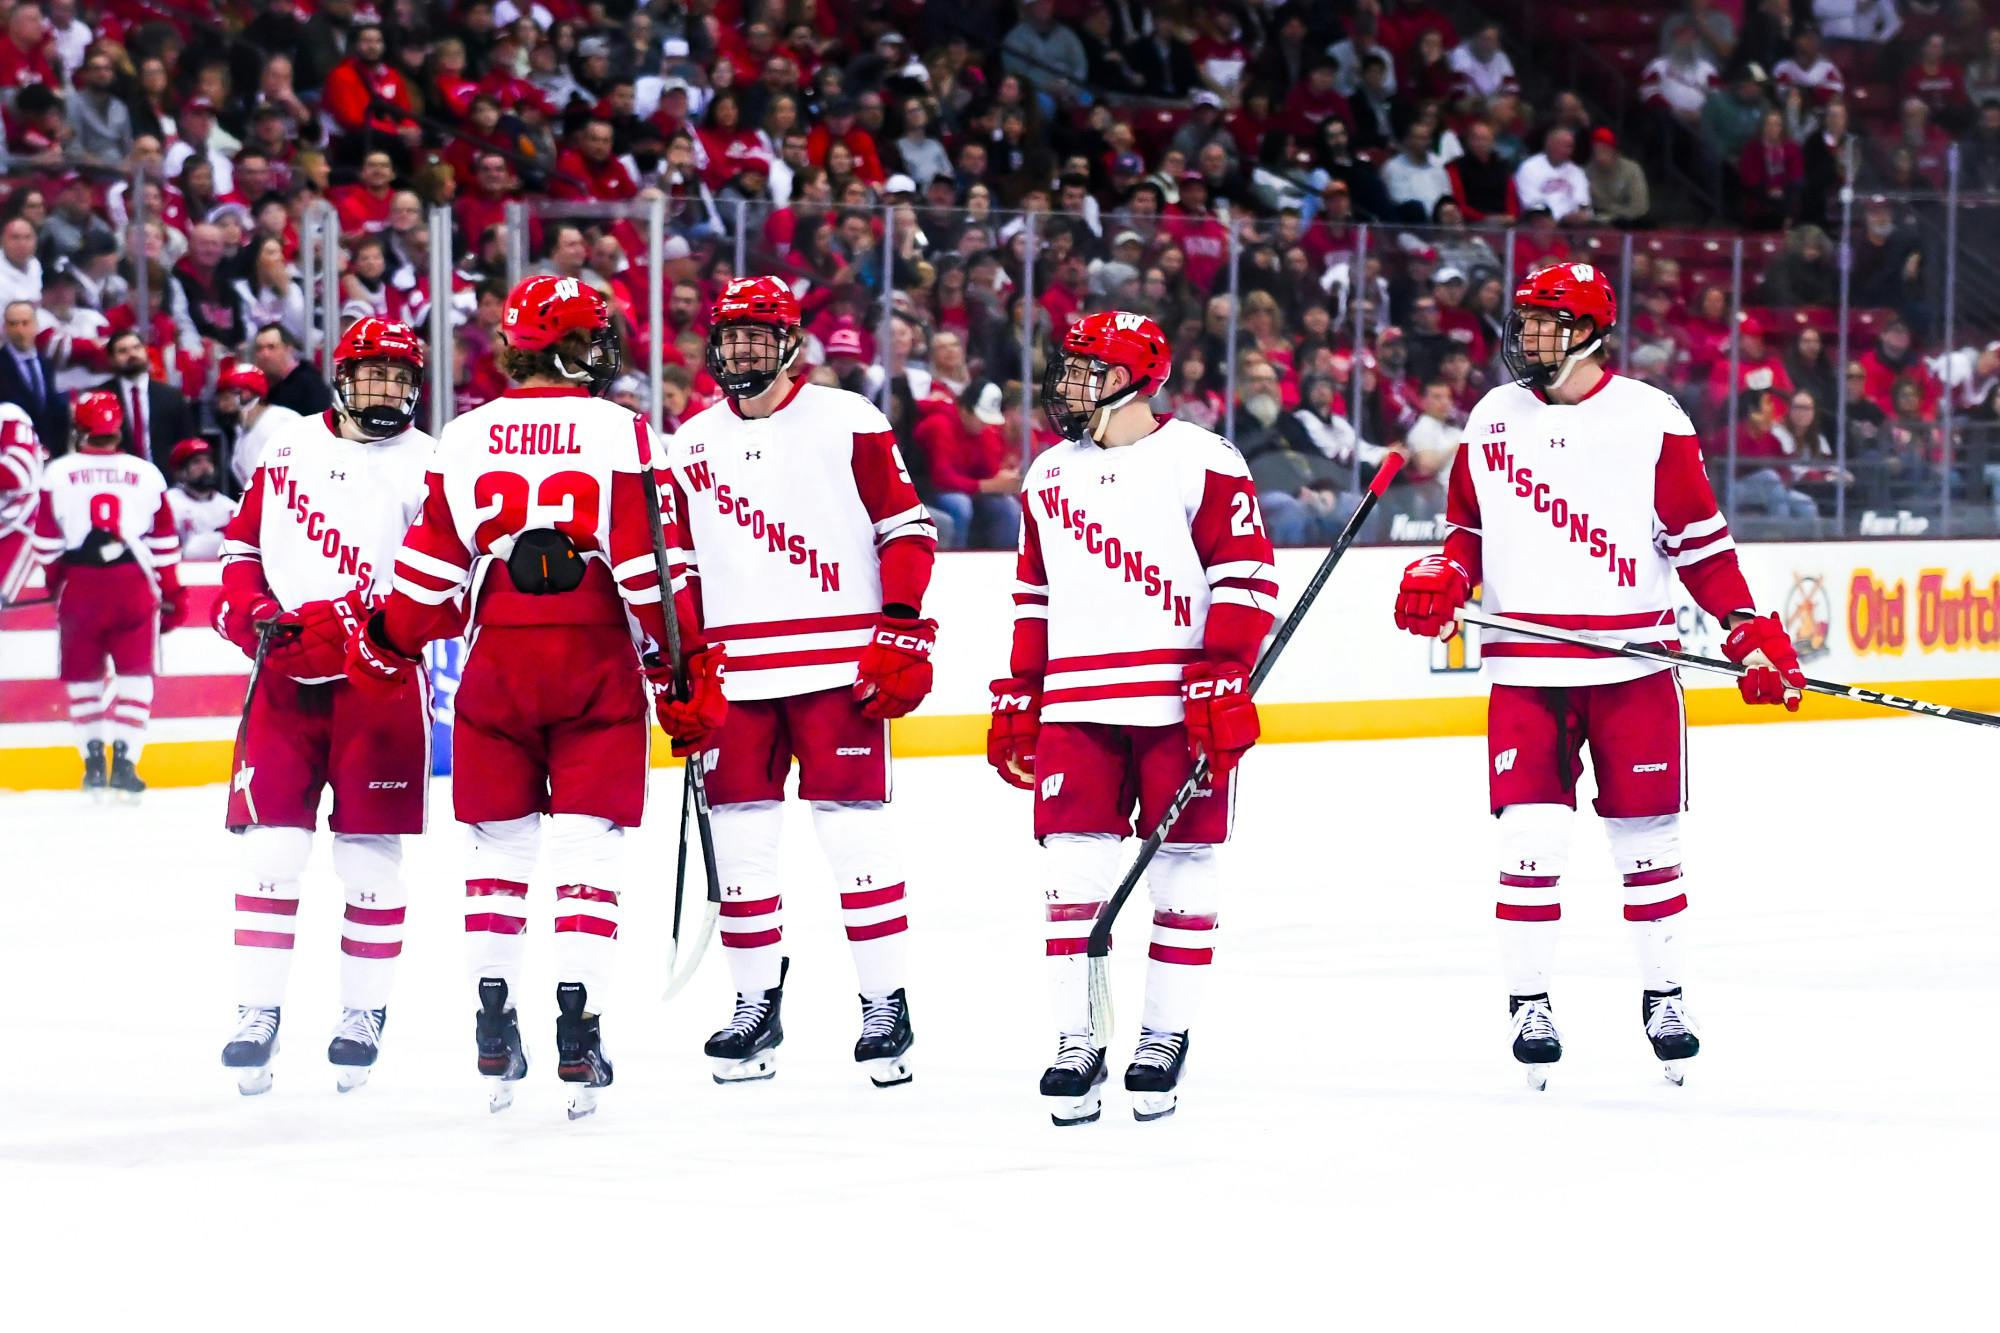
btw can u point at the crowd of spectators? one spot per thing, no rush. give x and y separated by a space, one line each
947 187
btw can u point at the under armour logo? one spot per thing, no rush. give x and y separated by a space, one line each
364 897
1642 865
1558 444
753 453
336 476
732 890
1107 478
1528 866
864 879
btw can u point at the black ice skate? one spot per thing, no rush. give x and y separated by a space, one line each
1074 1083
747 1050
124 782
1671 1031
885 1039
1155 1073
580 1058
93 772
249 1052
1537 1044
356 1042
503 1061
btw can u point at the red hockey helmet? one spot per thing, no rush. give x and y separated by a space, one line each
753 335
1573 307
378 371
545 309
98 414
1073 388
247 381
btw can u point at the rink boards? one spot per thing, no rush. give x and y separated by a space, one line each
1922 618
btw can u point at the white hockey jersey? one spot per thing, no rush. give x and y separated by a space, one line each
780 521
1578 516
200 519
323 515
272 421
115 493
1134 562
21 462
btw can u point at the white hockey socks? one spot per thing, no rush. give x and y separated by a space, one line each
1534 848
267 913
746 863
586 855
371 927
87 701
1648 855
1078 873
500 860
130 708
859 841
1187 888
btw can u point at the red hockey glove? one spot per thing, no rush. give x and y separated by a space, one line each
1017 721
310 641
691 723
376 665
237 619
1432 591
895 671
1221 719
1774 676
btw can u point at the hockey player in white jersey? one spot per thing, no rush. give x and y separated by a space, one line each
21 462
1575 498
106 533
806 554
1145 590
309 553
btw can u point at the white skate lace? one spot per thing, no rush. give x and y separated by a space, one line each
878 1017
1666 1020
359 1025
254 1024
1158 1049
749 1015
1076 1053
1534 1022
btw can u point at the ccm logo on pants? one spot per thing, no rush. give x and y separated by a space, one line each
1210 689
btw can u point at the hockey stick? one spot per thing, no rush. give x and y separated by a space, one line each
267 630
1648 652
1100 935
695 791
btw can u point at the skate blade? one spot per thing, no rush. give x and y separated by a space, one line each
763 1065
582 1101
1067 1111
892 1072
1675 1072
499 1094
1537 1077
254 1082
350 1077
1150 1106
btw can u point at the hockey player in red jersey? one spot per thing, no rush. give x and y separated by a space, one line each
536 519
806 554
1145 589
105 532
21 462
1575 497
310 552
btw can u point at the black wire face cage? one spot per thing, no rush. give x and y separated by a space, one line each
379 409
749 370
605 357
1068 380
1582 330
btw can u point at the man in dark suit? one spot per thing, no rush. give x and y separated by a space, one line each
294 383
157 416
29 382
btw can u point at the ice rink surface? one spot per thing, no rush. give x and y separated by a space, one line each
1354 1149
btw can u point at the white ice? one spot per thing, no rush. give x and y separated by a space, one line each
1354 1148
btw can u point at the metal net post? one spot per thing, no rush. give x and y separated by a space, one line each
1947 454
1846 259
135 247
1235 326
1356 275
328 223
656 309
517 241
742 216
1028 385
885 328
1735 365
442 380
1625 304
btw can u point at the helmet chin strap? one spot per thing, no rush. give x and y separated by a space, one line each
1573 357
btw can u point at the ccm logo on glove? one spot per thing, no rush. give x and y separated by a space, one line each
1216 688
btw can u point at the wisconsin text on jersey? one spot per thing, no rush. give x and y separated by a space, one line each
316 526
778 538
1133 564
1561 517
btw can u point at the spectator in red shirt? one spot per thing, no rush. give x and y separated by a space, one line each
974 478
601 175
1312 101
454 90
1067 295
1927 144
726 140
1202 237
1772 170
1936 82
25 50
364 206
1758 367
485 204
839 124
1403 24
1893 358
1538 244
355 84
252 179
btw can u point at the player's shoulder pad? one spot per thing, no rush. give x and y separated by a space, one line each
1201 445
843 407
1660 407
